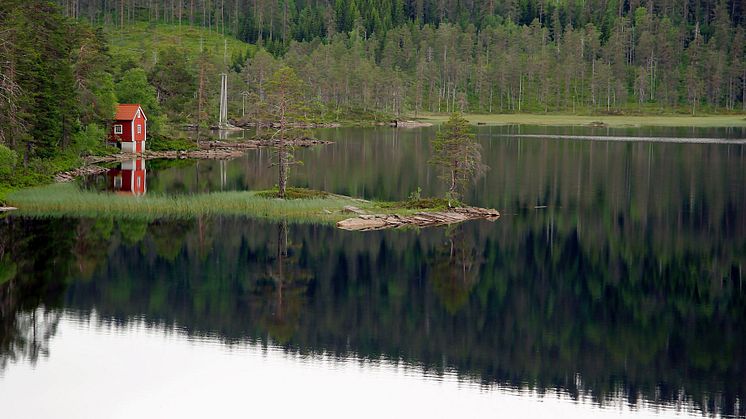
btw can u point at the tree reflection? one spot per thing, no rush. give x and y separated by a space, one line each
288 284
26 334
627 316
454 269
31 286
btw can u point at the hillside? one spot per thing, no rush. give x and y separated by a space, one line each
140 40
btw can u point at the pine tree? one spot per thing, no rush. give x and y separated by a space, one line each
457 152
286 105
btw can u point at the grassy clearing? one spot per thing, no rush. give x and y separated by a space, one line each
611 121
142 39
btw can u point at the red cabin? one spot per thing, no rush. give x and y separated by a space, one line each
130 128
129 179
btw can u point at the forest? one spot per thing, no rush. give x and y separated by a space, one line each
474 56
65 65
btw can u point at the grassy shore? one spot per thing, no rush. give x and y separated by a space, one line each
67 199
615 121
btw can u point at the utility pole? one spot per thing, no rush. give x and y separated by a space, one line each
223 100
244 95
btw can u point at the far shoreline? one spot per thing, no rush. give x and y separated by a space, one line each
597 121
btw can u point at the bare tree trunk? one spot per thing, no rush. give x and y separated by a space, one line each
282 152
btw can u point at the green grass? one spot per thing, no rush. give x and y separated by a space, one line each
67 199
609 120
142 39
420 204
295 193
38 172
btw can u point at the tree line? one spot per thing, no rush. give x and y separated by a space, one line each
443 56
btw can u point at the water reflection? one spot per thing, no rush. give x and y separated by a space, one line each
129 179
497 303
616 277
219 380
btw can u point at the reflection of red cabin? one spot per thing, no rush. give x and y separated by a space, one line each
130 128
129 179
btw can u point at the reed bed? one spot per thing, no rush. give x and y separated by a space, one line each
69 200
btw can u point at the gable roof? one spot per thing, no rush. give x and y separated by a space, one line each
127 112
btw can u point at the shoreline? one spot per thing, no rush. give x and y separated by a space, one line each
66 199
596 121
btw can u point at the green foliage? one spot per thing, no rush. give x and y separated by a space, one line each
286 107
90 140
135 88
294 193
8 161
175 82
435 204
457 152
164 143
94 80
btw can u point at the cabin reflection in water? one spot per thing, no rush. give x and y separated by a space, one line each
129 179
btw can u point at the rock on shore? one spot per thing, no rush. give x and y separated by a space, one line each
421 219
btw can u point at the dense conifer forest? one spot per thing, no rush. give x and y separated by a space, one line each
482 56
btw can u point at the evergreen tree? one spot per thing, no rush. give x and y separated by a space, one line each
456 151
286 105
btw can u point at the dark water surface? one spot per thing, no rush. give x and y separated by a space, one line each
612 284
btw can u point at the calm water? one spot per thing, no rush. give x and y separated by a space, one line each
612 284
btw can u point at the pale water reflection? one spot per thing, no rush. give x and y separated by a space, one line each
98 369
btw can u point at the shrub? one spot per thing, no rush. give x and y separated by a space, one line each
89 140
8 159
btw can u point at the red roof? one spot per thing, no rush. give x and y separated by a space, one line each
127 112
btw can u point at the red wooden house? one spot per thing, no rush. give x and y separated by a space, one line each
129 179
130 128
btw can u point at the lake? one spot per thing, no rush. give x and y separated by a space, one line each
612 284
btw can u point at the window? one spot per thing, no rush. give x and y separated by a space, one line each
117 129
139 129
118 182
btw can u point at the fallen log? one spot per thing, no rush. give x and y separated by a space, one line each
374 222
409 124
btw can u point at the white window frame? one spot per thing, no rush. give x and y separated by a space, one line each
139 128
118 129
